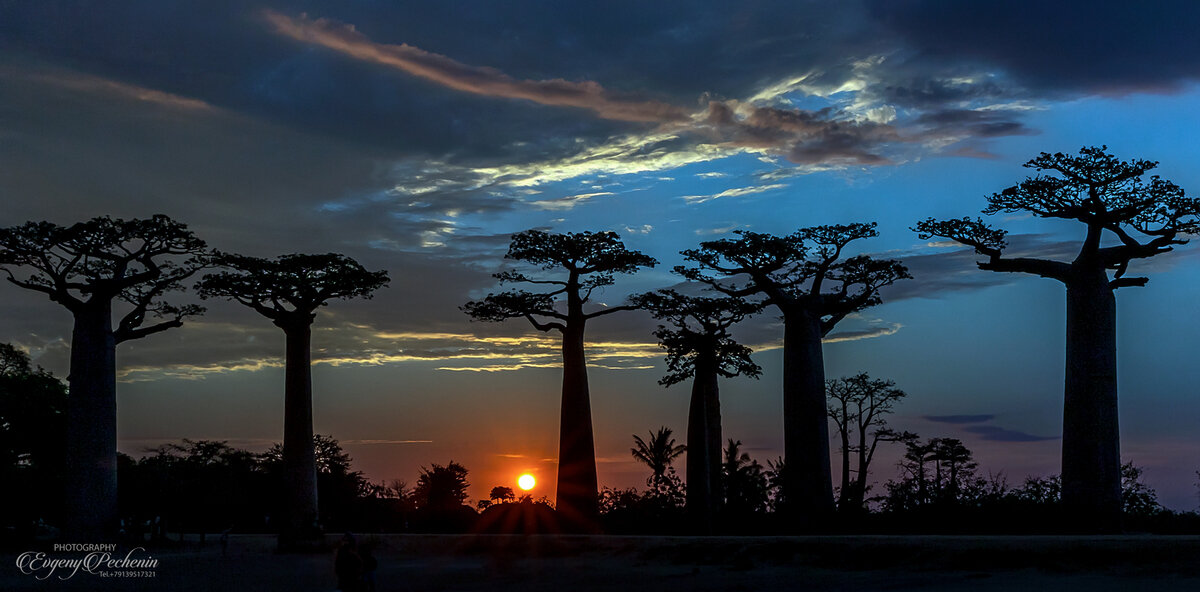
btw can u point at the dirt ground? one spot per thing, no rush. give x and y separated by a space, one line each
499 563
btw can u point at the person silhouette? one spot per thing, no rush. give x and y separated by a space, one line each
347 565
369 564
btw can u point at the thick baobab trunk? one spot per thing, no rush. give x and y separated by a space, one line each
576 496
91 496
713 408
808 481
704 446
1091 445
300 514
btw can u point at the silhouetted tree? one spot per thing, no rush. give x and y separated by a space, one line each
857 405
1137 498
590 260
338 485
657 453
699 347
442 488
804 275
195 485
939 472
1112 199
288 290
86 268
1040 490
32 440
501 494
747 488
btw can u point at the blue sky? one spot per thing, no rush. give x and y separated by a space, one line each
417 138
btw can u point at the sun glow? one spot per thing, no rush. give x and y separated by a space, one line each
526 482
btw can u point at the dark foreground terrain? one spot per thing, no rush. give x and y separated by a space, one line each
584 563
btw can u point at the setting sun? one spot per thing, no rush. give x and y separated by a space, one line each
526 482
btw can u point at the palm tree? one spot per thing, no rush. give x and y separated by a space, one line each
658 453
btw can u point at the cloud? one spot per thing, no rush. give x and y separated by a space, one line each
566 203
718 230
97 85
959 418
471 79
1074 46
987 432
869 333
735 192
999 434
252 348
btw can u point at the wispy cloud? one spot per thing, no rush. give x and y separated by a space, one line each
735 192
868 333
472 79
999 434
718 230
959 418
350 344
566 203
98 85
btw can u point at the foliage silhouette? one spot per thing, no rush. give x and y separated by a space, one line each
699 346
590 260
857 405
657 453
32 441
440 496
939 472
805 276
288 290
1112 198
87 268
747 486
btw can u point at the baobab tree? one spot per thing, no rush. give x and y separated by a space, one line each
806 278
1145 217
857 406
88 268
590 260
288 290
699 347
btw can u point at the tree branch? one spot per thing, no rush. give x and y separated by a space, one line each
1128 282
124 334
544 327
609 310
1043 267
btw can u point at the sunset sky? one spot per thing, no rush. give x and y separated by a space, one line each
417 137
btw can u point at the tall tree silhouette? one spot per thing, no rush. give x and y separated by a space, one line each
590 260
805 276
699 347
87 268
857 405
288 290
1111 198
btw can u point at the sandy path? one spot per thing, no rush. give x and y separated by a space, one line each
584 564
